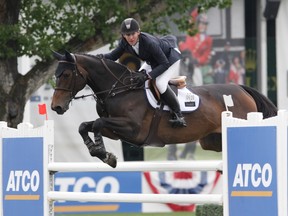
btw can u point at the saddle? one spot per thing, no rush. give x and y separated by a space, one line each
187 100
178 82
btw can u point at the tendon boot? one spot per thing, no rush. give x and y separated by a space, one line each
171 100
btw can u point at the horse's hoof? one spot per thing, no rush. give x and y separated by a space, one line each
110 159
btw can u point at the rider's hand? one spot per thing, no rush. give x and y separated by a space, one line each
140 80
142 71
101 56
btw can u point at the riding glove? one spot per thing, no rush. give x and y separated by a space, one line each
101 56
140 80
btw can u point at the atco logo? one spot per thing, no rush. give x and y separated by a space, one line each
108 184
252 176
20 180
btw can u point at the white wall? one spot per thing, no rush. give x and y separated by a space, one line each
282 55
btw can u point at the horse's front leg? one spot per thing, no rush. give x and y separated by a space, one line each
97 148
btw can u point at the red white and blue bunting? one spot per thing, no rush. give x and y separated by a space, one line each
198 182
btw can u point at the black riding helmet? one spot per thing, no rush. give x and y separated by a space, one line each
129 26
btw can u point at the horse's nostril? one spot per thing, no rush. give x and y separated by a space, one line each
58 109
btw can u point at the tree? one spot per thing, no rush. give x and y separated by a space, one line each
34 27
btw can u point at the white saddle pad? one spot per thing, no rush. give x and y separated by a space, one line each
188 101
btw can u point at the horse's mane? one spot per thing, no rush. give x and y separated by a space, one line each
108 60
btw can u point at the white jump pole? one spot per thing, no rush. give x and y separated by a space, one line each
136 198
213 165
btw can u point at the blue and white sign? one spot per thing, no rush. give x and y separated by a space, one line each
252 171
97 182
22 176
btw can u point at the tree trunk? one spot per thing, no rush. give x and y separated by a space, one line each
10 109
11 92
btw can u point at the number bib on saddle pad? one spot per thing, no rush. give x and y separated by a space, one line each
187 100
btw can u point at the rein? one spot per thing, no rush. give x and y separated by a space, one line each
116 90
108 69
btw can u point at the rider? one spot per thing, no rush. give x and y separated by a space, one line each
160 54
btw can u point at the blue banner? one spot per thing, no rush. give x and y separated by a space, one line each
22 176
252 171
97 182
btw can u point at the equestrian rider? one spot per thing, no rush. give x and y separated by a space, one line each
162 61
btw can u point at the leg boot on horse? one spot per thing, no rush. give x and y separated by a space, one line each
97 148
171 100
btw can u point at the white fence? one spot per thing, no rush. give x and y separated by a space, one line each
28 168
137 166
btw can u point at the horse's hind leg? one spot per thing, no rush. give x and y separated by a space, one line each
97 148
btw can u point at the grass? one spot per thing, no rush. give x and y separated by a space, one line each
154 153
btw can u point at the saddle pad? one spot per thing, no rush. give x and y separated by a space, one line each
188 101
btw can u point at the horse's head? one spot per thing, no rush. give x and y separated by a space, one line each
69 81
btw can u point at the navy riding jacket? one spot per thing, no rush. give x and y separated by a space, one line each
159 53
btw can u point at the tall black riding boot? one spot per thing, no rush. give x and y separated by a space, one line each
171 100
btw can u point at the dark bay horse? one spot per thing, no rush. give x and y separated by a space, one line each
126 114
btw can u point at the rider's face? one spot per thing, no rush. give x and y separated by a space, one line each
132 38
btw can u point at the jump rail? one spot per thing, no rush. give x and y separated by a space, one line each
136 198
213 165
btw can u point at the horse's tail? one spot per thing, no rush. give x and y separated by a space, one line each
263 104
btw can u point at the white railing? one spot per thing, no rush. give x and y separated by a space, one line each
213 165
136 198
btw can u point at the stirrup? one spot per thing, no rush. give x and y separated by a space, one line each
178 120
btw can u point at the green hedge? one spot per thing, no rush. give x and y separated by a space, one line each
209 210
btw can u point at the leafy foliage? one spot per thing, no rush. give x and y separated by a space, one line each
46 25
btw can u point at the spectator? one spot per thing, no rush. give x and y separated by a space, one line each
227 56
237 72
220 72
199 45
207 74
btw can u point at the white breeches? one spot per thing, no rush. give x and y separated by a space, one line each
163 79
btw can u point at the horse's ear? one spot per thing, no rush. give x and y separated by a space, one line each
57 55
69 56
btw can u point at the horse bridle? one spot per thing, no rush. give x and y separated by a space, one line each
75 73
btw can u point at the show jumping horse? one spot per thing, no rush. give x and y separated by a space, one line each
125 113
